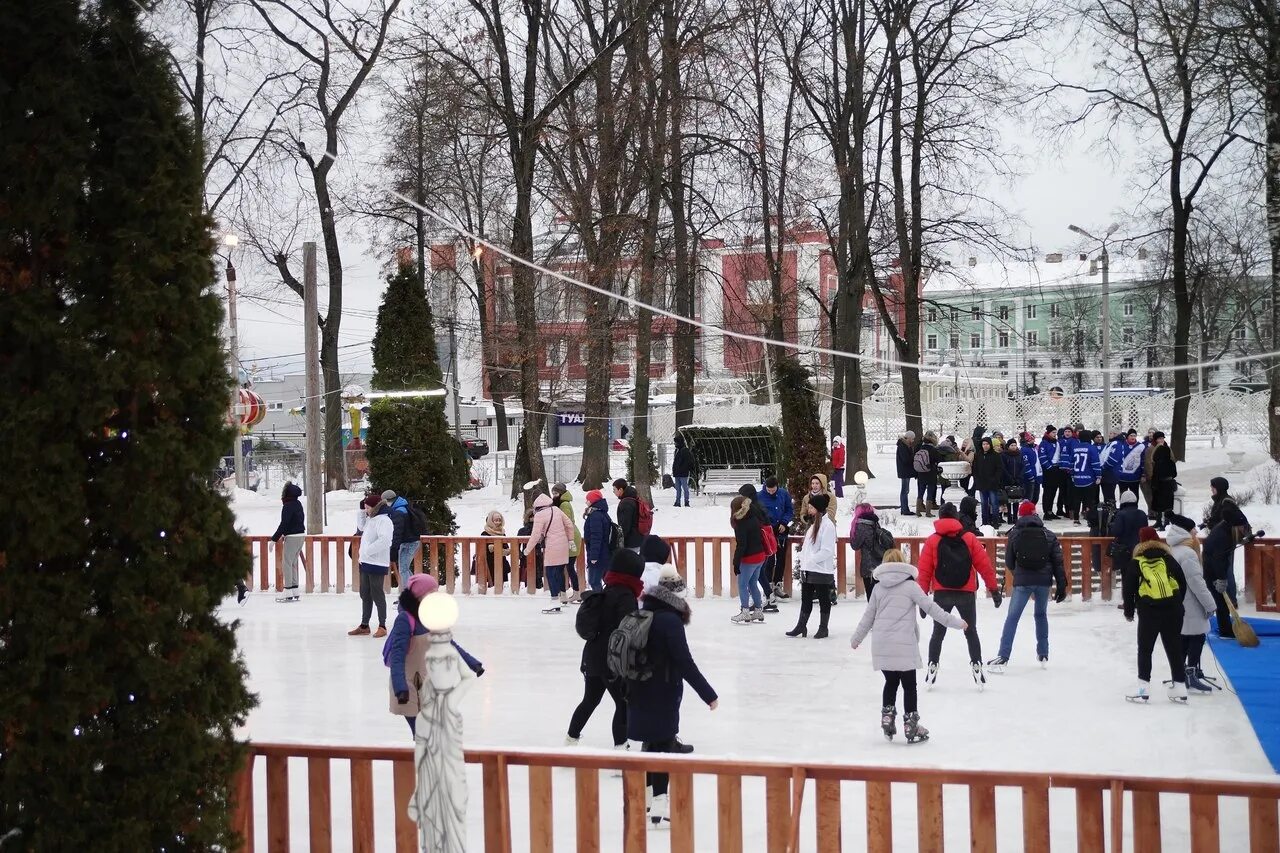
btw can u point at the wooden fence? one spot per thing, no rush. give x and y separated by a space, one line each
705 561
816 807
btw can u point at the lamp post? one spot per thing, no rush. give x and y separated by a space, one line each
439 804
242 480
1106 322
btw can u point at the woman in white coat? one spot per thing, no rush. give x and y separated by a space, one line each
1198 604
817 567
895 648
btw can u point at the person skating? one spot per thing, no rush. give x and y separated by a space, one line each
682 470
817 569
653 704
1034 555
1197 604
870 541
635 517
597 527
1086 476
1032 471
293 529
749 555
837 466
1154 587
553 531
1227 527
987 473
623 586
951 562
775 500
769 591
563 500
375 562
656 553
905 452
405 650
1164 478
1049 451
895 648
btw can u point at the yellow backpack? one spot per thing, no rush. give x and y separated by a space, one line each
1156 583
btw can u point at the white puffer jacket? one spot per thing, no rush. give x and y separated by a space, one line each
1198 604
892 613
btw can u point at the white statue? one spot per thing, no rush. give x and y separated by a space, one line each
439 804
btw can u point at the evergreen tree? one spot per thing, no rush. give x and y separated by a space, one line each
804 445
120 688
411 449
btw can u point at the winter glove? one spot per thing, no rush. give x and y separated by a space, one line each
1061 595
998 597
1221 587
403 697
479 671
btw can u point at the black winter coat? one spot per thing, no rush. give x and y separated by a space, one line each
618 602
906 453
1125 525
682 464
1049 573
1011 468
1130 579
629 518
987 471
748 536
1224 517
292 516
1162 465
653 706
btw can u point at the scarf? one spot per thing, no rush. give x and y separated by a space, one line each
500 530
635 584
672 600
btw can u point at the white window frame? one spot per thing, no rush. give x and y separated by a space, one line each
1033 338
1003 340
931 341
975 340
1031 312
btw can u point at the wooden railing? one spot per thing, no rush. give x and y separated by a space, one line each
791 807
1262 574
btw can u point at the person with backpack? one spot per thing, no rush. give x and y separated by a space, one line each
1011 490
1034 555
769 592
1164 479
1032 471
1197 604
987 473
837 465
924 463
553 531
405 543
817 569
1049 451
1227 527
682 469
775 500
651 651
1154 588
597 619
749 555
405 650
635 517
869 541
293 530
1086 476
597 538
951 562
560 494
895 648
905 455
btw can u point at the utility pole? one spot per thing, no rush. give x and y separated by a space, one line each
457 386
242 479
1106 343
311 344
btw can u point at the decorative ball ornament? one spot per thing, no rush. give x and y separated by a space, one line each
438 611
860 478
250 409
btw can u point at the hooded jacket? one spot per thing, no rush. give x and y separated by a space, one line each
682 464
1132 578
292 517
566 506
653 706
831 505
618 601
980 563
905 454
399 511
553 530
1224 518
777 506
1125 525
864 537
1198 604
1050 573
596 527
375 543
837 454
891 613
988 470
748 536
1048 452
629 518
1012 464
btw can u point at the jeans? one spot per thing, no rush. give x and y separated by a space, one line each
595 575
593 691
990 507
682 488
405 560
892 678
1017 603
572 569
906 494
1164 623
1031 489
964 603
749 584
927 488
555 580
837 482
371 594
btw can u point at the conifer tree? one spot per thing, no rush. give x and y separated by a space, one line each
804 446
411 449
120 686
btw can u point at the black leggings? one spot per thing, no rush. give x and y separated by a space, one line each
811 592
1164 623
658 781
907 678
966 604
593 691
1193 644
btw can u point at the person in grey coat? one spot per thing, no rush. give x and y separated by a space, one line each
1198 604
895 649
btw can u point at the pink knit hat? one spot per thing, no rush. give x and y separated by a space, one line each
421 585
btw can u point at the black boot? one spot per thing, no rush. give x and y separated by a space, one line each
802 624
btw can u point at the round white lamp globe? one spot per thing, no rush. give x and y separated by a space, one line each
860 478
438 611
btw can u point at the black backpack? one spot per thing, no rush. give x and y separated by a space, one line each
1033 549
615 537
590 615
415 522
627 655
955 565
884 539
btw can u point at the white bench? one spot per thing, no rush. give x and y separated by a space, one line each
1202 440
883 447
726 481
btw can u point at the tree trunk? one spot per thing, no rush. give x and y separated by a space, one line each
529 465
1271 105
684 282
335 468
595 435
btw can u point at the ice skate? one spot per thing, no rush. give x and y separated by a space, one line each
771 606
1044 661
1141 693
779 592
554 608
1178 692
660 812
997 664
757 615
570 740
888 717
911 727
1198 682
979 678
743 617
931 675
288 598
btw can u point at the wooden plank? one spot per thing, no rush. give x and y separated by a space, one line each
1264 825
417 558
699 559
1086 572
540 810
1146 822
277 804
497 815
879 817
319 805
797 805
827 807
362 805
465 564
982 819
280 564
264 563
1091 834
929 817
1117 816
342 561
1035 816
309 564
729 805
587 803
1204 824
242 809
634 818
404 781
324 566
681 796
777 810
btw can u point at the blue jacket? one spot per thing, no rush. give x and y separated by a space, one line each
399 512
1067 452
778 507
1110 457
1031 469
292 516
1129 462
653 706
1086 466
595 532
1048 452
398 647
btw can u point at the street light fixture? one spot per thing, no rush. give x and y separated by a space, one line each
1106 320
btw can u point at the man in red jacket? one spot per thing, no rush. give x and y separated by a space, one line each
950 563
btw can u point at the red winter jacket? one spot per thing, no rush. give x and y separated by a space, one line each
929 559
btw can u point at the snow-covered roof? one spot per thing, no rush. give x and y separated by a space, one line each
1022 276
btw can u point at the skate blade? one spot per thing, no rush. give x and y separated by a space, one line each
1137 700
1178 700
917 739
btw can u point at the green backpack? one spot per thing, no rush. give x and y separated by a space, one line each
1156 583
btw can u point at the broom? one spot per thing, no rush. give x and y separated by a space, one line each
1245 635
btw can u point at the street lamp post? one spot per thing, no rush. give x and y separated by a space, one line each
242 480
1106 322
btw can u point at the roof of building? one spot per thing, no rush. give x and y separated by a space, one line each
1022 276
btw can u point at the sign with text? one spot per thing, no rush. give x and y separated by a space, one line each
572 418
